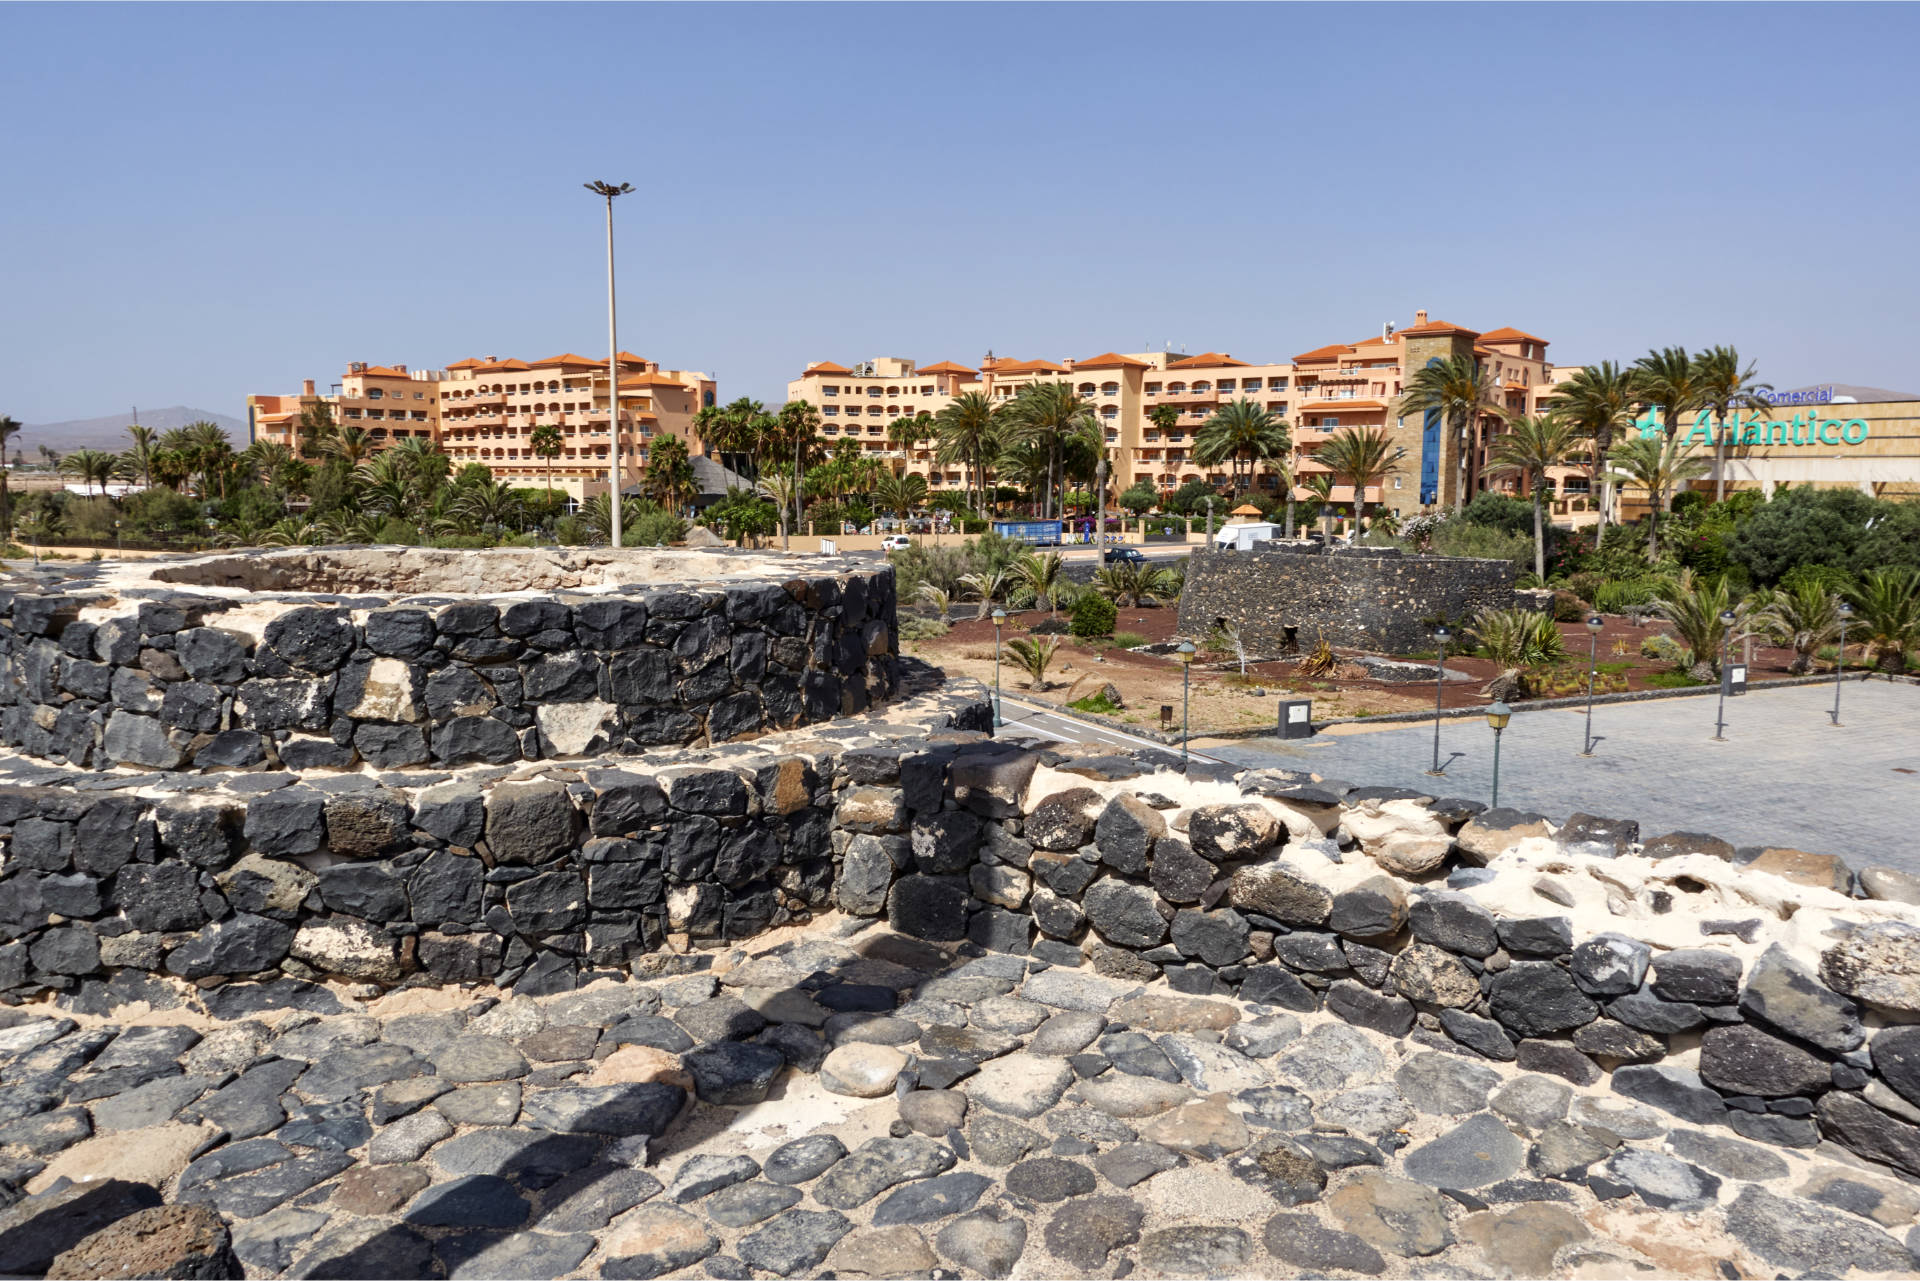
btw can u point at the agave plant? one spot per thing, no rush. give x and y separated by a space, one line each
1033 655
1517 638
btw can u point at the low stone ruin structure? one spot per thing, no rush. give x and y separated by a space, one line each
302 659
1286 596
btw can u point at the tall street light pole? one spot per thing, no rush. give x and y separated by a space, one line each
1186 652
609 190
1727 620
1440 638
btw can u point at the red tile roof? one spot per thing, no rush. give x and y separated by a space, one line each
1438 327
650 380
378 371
1111 360
509 364
568 359
471 362
1321 355
1509 334
826 367
946 367
1206 360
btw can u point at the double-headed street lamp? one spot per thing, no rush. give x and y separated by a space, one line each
1727 620
1497 716
1840 659
609 191
1186 652
999 617
1594 624
1440 638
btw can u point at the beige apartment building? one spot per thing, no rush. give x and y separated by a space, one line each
486 410
1319 392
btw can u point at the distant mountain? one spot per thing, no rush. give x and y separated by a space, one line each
110 432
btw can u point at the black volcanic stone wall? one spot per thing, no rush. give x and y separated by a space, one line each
336 681
1373 599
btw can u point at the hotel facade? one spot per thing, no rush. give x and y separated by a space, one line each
485 410
1318 393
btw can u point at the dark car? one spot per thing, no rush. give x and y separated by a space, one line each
1123 556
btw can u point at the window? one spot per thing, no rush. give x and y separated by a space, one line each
374 393
830 411
1396 482
1153 389
1109 389
1226 384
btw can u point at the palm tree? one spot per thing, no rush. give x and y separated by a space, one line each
1694 605
969 432
1128 584
9 428
986 586
1599 400
1657 466
267 459
49 457
545 442
669 475
1360 457
1673 381
1461 391
315 428
906 433
779 488
139 455
1726 389
1802 618
1320 485
492 503
900 494
171 467
798 426
1530 445
90 465
351 445
1888 602
1033 655
1241 429
1042 575
1046 415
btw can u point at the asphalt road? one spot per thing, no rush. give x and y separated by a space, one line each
1029 719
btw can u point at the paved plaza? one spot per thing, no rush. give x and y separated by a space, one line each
1785 775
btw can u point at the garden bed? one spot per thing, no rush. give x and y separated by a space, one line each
1221 701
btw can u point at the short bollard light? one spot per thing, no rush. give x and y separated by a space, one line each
1186 652
1594 624
1727 620
1441 635
1844 613
999 617
1497 716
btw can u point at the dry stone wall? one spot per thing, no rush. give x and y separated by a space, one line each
1772 991
166 679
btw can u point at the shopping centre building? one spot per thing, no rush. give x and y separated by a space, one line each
485 410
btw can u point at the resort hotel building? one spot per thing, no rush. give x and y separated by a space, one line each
485 410
1150 405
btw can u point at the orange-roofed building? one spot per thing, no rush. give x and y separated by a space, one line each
486 409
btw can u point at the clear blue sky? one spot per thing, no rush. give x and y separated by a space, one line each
205 201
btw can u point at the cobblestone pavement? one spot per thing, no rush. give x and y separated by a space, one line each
1785 775
871 1106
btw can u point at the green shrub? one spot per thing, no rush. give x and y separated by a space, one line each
395 530
1096 703
1617 597
1050 627
1459 538
916 627
1129 640
1569 608
1497 511
1094 615
1519 637
650 526
1663 648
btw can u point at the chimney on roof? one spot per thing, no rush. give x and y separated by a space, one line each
1419 317
401 368
306 387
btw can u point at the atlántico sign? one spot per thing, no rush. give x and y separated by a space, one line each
1804 429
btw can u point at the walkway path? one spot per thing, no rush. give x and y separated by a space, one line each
1785 775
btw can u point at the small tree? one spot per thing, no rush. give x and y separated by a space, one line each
1033 655
1139 497
1694 605
545 443
1888 602
1803 618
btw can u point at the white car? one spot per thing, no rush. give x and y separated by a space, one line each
895 543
